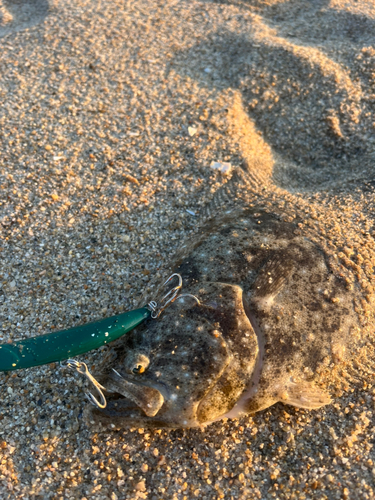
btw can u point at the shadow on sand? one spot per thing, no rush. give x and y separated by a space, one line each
310 104
17 15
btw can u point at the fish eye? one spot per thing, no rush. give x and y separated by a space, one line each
137 363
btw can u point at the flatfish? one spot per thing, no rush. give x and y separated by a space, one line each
282 313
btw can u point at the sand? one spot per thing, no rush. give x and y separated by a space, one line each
98 168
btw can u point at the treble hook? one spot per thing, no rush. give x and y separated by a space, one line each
172 294
83 370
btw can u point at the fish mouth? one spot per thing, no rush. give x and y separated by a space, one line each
131 396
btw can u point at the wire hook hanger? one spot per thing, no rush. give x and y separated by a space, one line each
83 370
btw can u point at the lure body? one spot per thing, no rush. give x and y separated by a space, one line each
64 344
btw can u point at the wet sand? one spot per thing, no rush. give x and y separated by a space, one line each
98 168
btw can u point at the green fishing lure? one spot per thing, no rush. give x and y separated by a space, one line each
64 344
59 346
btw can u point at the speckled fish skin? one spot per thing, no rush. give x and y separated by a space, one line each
274 315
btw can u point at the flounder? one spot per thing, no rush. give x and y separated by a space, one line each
279 315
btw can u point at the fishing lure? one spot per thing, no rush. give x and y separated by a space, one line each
64 344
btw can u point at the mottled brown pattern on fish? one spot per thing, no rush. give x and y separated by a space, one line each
286 303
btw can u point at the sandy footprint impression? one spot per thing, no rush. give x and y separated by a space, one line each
306 86
17 15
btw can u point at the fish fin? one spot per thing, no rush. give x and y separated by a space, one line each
305 395
273 275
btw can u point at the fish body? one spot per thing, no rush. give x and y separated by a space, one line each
273 315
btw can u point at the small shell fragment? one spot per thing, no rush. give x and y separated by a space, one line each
224 167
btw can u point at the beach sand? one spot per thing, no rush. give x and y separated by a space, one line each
111 114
